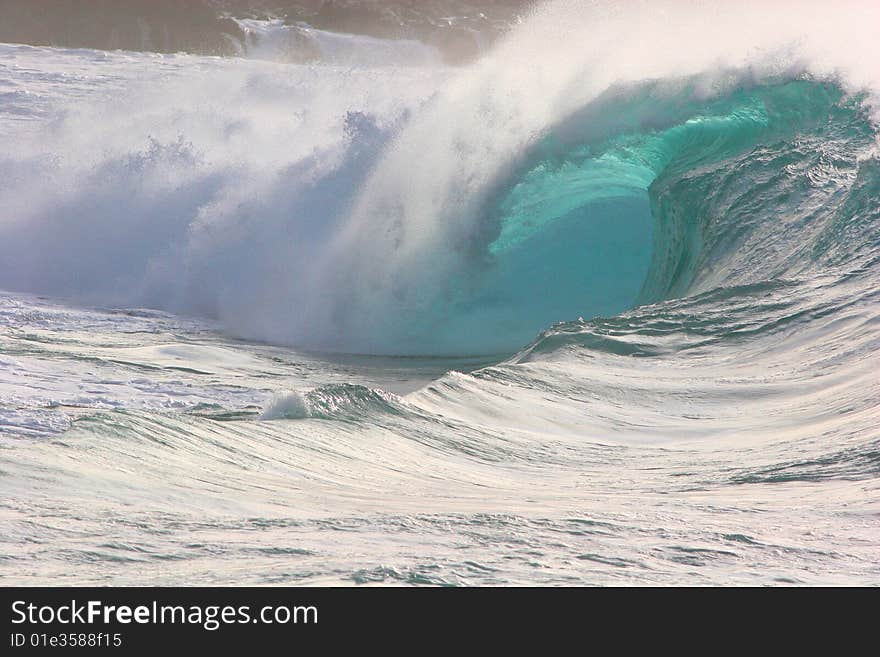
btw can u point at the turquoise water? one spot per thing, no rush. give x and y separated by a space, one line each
601 216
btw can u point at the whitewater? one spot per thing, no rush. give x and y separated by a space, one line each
600 307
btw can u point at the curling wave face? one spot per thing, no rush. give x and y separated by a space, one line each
308 206
681 252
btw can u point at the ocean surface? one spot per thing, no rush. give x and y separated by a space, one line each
599 307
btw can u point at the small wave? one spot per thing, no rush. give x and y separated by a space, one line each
332 402
301 43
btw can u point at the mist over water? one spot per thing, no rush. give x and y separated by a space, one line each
613 286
